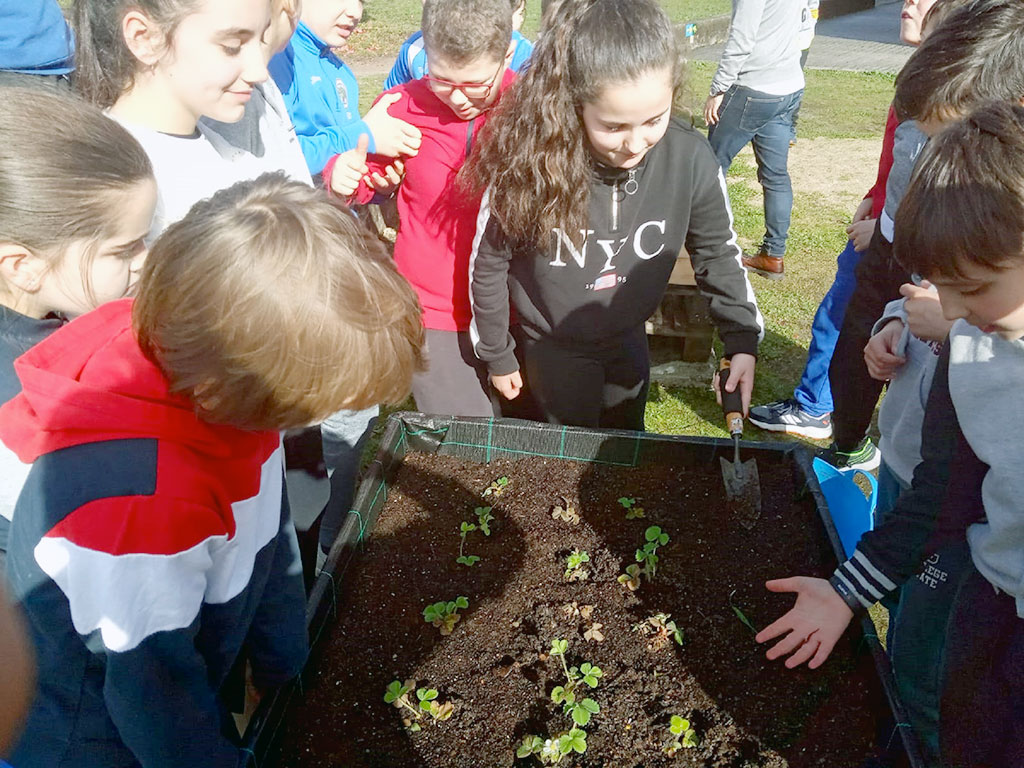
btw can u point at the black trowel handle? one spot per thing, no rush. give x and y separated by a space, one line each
732 402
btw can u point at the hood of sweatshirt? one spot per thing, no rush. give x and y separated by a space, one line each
90 382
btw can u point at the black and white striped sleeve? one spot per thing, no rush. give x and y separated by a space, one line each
891 553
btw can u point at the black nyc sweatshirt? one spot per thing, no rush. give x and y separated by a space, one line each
640 220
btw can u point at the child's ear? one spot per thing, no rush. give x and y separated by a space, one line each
20 268
143 36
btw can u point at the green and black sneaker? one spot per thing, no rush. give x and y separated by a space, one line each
865 456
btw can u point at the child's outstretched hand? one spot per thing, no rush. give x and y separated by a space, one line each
924 312
860 232
509 385
392 137
350 168
811 627
880 352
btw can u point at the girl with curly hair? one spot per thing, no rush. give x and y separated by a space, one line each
592 188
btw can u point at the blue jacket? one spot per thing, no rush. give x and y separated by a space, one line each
148 548
322 96
34 38
411 62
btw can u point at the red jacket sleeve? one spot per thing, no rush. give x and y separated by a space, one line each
877 192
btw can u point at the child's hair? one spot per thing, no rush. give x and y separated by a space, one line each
533 152
461 31
965 203
104 66
939 12
976 55
272 308
62 165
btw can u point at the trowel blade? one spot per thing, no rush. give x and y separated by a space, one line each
743 489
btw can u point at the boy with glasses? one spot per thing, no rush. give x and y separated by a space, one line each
469 47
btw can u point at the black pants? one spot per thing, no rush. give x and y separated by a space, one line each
854 392
981 721
590 385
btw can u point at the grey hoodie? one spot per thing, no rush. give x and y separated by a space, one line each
763 50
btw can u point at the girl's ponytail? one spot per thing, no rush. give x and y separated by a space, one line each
104 66
533 153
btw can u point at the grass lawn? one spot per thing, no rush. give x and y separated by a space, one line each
386 23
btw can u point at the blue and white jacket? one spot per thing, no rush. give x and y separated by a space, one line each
322 96
147 549
411 62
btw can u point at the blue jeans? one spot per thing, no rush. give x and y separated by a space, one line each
814 393
746 115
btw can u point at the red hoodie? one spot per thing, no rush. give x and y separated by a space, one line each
437 225
147 548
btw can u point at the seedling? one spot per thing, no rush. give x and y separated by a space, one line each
683 736
586 673
565 511
483 519
740 614
464 559
574 570
654 537
666 628
397 694
445 615
633 512
551 751
631 578
648 554
497 487
429 704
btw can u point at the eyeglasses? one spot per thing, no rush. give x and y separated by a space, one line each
469 90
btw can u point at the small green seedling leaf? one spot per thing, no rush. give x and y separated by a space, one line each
626 501
483 519
679 725
467 528
496 487
655 535
559 647
578 740
591 674
740 614
425 696
395 691
560 695
468 560
531 745
445 615
462 602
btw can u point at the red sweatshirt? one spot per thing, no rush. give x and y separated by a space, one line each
877 192
437 225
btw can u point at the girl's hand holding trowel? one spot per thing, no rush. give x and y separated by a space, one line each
741 374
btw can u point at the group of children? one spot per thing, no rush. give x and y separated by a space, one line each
142 510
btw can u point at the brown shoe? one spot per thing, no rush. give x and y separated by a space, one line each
764 265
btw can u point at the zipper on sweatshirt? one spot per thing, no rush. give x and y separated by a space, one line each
629 188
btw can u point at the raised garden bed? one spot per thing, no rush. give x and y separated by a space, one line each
680 647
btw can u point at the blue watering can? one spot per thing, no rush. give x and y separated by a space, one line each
852 512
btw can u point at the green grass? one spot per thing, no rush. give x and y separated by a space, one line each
386 23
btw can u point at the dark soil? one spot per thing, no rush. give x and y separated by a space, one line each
494 667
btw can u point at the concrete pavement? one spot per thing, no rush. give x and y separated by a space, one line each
861 42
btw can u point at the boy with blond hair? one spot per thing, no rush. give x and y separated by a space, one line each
469 46
152 540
